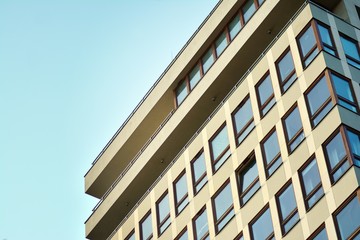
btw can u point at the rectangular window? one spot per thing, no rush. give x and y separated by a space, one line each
200 225
265 94
286 70
344 92
314 38
131 235
243 120
219 147
347 218
180 193
248 9
287 208
234 26
181 92
293 128
207 60
223 206
319 234
221 43
146 232
261 227
163 213
194 76
311 183
351 49
248 179
271 152
183 235
198 167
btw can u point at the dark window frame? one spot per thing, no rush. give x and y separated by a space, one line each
167 217
269 99
219 219
273 161
198 214
141 222
186 80
227 148
195 182
257 5
178 202
315 189
244 167
355 194
317 231
181 234
131 234
240 236
247 126
256 218
289 217
298 134
283 82
356 43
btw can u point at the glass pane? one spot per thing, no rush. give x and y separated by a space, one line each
325 35
291 222
163 208
184 236
350 48
354 142
271 147
315 197
286 66
262 228
201 225
220 44
287 202
225 220
293 123
219 143
311 177
234 27
194 76
199 167
243 116
223 201
130 237
349 218
146 227
251 192
181 188
181 92
248 175
342 88
335 150
318 95
265 90
207 60
248 10
307 41
322 235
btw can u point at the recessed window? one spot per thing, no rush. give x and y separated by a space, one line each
194 76
234 27
286 70
319 234
293 128
271 152
163 213
262 227
201 227
131 235
248 178
339 159
198 167
243 120
347 218
344 92
219 147
146 227
248 10
183 235
221 43
181 92
181 193
351 49
288 213
314 38
311 183
223 206
265 94
207 60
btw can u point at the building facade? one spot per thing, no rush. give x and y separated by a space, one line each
252 132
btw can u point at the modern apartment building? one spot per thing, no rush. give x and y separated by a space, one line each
252 132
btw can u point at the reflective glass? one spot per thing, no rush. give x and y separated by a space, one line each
199 169
271 150
265 92
234 27
308 48
184 236
287 205
201 225
242 118
326 39
310 180
343 90
181 92
194 76
146 228
293 126
286 70
248 10
351 50
207 60
220 44
348 219
321 235
223 201
247 177
218 145
262 228
181 192
354 142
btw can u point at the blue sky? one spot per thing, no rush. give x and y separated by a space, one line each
71 71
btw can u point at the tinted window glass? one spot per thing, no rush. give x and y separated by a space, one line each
207 60
199 172
249 181
354 142
288 209
201 226
286 71
308 47
348 220
181 193
181 92
223 204
219 144
220 44
265 95
243 121
248 10
271 150
293 127
351 51
262 228
194 76
163 209
234 27
344 93
311 183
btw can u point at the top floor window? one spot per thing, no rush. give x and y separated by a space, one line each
265 94
234 26
181 193
314 38
351 49
243 120
181 92
207 60
286 70
194 76
219 147
221 43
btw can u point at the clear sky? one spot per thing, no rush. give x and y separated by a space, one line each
71 71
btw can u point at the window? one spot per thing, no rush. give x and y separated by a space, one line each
344 92
219 147
131 235
223 206
319 234
261 227
339 160
265 94
146 227
310 183
207 60
286 70
248 178
220 44
347 218
183 235
286 203
271 152
181 193
351 49
198 168
243 120
181 92
314 38
293 128
234 27
239 237
248 10
201 228
163 213
194 76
